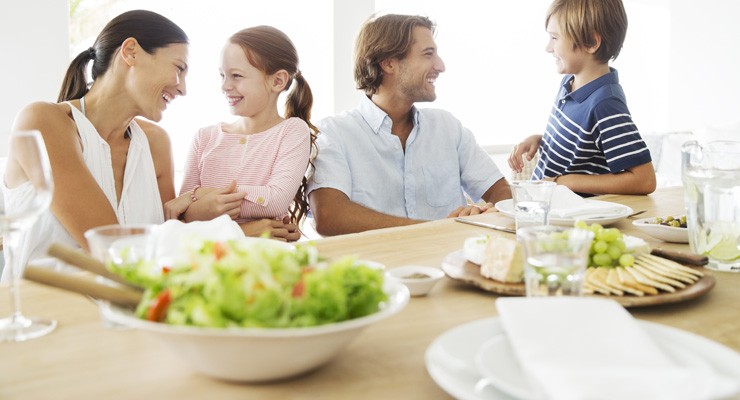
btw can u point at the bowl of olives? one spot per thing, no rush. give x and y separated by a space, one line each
670 228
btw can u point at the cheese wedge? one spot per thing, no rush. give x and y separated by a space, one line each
474 249
503 260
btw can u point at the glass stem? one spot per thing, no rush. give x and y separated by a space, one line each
10 240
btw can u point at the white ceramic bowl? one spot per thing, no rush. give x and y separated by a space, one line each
662 232
260 354
419 279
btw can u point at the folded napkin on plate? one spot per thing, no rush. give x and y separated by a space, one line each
588 348
174 237
566 204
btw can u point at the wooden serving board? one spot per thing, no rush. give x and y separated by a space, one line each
457 267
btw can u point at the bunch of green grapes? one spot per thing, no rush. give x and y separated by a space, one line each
607 248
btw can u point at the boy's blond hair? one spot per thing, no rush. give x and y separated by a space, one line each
581 20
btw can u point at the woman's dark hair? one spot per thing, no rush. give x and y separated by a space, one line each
150 29
270 50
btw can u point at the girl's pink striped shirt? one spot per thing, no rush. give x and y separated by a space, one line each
268 167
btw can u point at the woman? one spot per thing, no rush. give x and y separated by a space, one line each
108 167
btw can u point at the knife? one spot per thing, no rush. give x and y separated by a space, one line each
684 258
485 225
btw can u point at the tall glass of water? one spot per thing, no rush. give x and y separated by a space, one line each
556 259
531 202
27 186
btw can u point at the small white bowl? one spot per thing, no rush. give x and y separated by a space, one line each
419 279
662 232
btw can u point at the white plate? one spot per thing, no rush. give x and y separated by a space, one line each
506 207
662 232
451 358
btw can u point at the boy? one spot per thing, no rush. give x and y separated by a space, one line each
590 144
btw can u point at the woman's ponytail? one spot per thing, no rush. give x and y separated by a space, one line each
74 85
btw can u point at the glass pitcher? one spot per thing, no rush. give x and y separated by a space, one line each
711 179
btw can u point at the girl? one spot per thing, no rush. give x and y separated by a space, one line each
107 167
254 168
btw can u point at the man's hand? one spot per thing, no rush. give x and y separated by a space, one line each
282 230
472 209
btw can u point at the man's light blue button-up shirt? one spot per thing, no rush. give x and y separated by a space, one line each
359 156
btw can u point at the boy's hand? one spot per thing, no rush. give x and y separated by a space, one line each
528 146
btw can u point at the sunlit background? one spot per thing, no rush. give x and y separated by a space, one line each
677 65
499 80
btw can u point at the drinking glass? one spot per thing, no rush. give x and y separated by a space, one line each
531 202
556 259
29 160
119 247
711 177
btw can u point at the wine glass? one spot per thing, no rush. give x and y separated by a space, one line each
28 176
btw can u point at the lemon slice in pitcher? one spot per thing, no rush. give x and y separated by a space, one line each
726 249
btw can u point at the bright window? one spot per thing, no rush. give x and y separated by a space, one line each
500 82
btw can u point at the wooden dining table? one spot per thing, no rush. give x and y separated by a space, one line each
83 359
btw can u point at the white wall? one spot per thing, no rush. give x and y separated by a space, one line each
34 40
705 59
704 54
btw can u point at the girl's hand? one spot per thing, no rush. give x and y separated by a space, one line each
214 202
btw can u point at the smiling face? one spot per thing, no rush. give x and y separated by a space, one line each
567 59
245 87
418 71
164 75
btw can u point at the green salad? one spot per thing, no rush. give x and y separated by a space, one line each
248 283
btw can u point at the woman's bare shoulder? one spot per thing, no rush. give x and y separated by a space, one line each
49 118
155 134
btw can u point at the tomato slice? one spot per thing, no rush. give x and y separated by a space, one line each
158 310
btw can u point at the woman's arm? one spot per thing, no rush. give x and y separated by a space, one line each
78 201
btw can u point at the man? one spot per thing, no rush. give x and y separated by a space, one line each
387 163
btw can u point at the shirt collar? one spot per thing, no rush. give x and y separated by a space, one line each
375 116
581 94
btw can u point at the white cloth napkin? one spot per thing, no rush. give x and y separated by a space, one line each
173 238
566 204
589 348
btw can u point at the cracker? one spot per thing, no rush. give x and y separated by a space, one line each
673 264
590 289
613 280
597 278
667 271
642 278
628 280
660 278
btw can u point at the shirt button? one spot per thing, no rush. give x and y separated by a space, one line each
562 101
260 200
